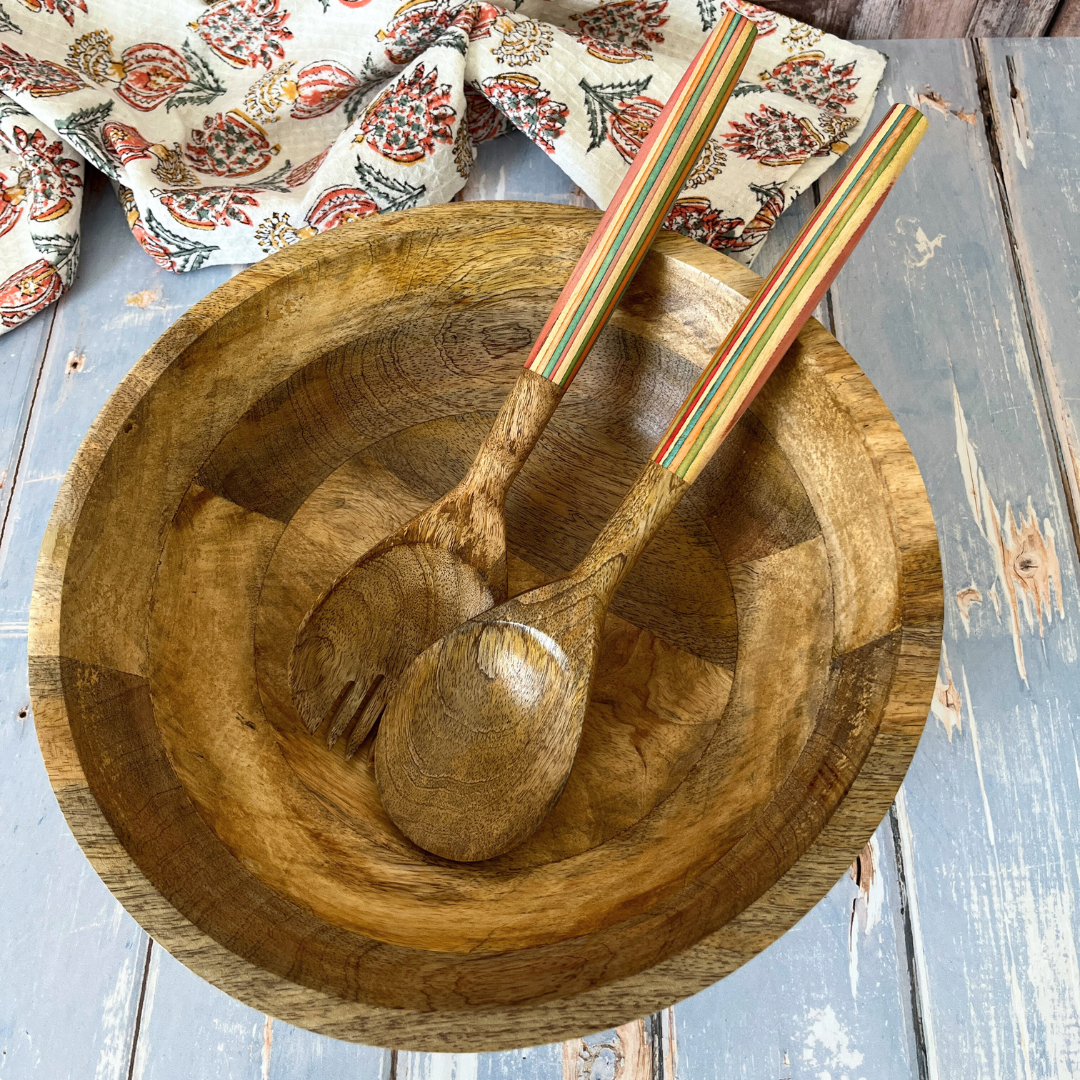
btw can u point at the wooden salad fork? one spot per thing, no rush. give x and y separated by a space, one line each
479 738
449 563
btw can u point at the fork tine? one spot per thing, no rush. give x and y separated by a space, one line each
317 690
348 706
371 711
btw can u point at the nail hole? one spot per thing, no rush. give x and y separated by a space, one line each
75 361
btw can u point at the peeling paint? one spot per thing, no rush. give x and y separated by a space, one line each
867 906
620 1055
143 299
1025 559
671 1046
973 728
946 701
995 600
931 98
418 1066
267 1046
964 599
963 114
916 256
1021 128
828 1038
116 1024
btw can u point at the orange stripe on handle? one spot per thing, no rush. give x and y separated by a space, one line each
792 290
634 216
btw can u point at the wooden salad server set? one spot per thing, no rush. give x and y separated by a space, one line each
479 736
449 563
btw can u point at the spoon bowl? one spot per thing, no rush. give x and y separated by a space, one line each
455 730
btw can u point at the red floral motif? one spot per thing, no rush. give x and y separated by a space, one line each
406 120
29 290
153 73
153 247
622 113
775 138
482 119
810 77
209 207
124 142
229 144
629 25
149 74
321 88
420 23
64 8
771 198
246 33
20 73
336 206
11 194
53 178
610 51
762 16
170 251
303 173
339 205
697 219
529 106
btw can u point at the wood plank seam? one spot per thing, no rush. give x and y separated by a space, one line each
1069 480
914 975
26 425
139 1007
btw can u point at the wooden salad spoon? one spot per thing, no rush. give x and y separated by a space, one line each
449 563
479 738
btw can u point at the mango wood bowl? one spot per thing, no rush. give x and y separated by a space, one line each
764 678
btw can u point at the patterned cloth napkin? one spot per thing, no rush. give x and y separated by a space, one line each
235 129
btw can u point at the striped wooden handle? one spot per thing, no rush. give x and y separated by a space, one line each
797 283
644 197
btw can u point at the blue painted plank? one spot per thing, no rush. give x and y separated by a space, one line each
72 959
513 167
1037 130
830 997
930 306
190 1029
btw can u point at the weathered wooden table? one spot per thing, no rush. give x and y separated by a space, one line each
951 950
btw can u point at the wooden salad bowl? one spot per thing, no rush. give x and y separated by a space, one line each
765 672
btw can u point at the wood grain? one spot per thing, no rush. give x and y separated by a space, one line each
1067 20
924 18
297 967
449 563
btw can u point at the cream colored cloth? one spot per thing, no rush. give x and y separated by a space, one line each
235 129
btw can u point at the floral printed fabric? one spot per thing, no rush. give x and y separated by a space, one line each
237 128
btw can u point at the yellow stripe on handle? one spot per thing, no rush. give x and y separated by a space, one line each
651 185
774 317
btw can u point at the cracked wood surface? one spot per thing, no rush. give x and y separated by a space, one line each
952 950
